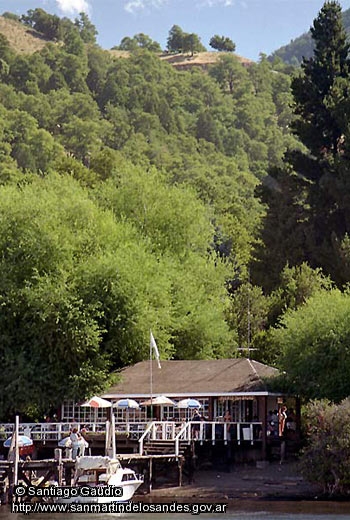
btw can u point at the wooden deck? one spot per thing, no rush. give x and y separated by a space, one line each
139 437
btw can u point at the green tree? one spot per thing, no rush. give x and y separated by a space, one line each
222 43
139 41
322 112
314 345
35 289
230 74
316 125
192 43
41 21
73 42
325 460
207 128
74 283
99 62
283 233
87 30
175 224
5 50
126 44
175 41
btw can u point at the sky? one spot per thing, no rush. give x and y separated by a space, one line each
256 26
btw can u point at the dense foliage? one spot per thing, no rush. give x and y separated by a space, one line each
315 338
127 203
326 460
81 284
139 41
314 184
222 43
180 41
196 203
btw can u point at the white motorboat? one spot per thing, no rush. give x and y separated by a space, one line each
102 480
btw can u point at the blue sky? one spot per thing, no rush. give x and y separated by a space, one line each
254 25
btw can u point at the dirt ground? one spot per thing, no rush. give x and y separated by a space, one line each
272 481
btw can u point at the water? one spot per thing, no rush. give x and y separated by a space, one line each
238 510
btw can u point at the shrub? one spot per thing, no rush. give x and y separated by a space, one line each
326 459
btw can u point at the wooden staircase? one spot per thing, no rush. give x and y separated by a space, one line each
164 447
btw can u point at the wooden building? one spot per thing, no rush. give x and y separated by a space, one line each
237 385
237 388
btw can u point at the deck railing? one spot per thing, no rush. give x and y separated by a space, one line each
57 431
200 431
213 431
141 431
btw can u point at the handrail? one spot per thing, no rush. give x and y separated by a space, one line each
160 430
182 432
145 433
49 431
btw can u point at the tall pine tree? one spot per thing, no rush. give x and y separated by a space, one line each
312 198
318 124
322 94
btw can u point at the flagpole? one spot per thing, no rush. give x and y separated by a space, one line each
153 346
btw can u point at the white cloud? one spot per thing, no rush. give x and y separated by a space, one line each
138 5
211 3
132 6
73 6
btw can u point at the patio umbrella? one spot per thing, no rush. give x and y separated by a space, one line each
159 400
97 402
25 445
126 403
189 403
65 443
23 441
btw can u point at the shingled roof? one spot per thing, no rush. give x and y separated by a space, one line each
193 377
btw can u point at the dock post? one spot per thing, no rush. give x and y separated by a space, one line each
283 451
58 458
10 486
68 475
179 464
190 461
15 475
150 476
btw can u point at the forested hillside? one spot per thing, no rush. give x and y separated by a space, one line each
136 196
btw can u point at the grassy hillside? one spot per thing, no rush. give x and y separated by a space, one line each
185 61
27 41
201 59
22 39
294 51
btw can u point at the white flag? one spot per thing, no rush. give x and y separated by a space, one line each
153 346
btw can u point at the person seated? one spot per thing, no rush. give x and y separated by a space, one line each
75 438
79 444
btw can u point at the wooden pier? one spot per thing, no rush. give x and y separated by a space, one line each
41 473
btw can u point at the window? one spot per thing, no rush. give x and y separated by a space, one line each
73 412
241 409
